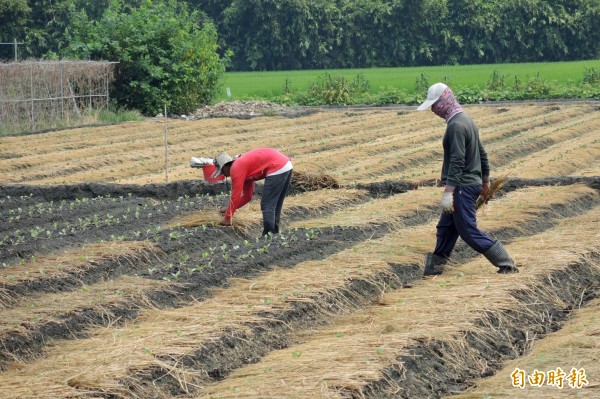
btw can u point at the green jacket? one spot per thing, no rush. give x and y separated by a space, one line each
465 160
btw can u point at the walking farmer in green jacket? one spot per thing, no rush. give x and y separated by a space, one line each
465 174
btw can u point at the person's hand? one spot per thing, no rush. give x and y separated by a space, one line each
222 211
447 203
225 221
485 192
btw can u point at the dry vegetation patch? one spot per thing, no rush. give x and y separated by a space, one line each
359 145
378 211
576 345
100 297
250 216
72 261
162 339
354 352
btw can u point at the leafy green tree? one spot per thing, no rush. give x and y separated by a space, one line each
164 56
284 34
14 15
213 8
42 25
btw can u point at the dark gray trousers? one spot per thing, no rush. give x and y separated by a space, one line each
274 192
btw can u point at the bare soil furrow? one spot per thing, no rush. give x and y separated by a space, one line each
438 336
570 351
429 369
26 329
237 348
133 290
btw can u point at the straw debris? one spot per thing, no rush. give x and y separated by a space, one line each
302 181
495 186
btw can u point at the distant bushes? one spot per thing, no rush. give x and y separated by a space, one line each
338 90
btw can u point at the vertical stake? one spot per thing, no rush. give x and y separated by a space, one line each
166 146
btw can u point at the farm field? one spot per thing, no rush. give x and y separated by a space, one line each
117 284
265 85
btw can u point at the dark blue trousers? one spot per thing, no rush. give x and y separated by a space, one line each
274 192
462 223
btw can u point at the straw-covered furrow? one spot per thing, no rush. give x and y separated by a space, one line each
248 220
382 211
442 334
508 153
72 269
528 208
185 347
528 121
591 169
413 144
408 152
533 206
524 207
565 364
26 328
135 153
561 159
529 142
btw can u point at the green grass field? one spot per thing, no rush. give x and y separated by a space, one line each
264 85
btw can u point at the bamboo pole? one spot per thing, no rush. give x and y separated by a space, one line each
166 146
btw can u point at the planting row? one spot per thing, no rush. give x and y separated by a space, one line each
406 139
368 262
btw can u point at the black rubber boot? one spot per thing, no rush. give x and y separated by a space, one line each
434 264
498 256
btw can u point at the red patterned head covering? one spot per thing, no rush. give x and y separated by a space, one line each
447 106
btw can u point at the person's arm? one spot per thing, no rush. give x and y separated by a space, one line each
485 164
237 188
485 174
241 192
247 194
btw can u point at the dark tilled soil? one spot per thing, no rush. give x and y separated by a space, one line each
55 193
235 349
179 259
388 188
103 218
515 183
437 368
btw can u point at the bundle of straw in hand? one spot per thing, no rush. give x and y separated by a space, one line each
495 186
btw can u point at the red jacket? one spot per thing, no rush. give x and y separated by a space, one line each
251 166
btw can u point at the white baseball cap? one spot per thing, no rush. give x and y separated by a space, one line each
221 160
433 94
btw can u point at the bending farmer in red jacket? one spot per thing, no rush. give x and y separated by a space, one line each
257 164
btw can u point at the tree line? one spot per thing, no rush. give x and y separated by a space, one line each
323 34
316 34
161 43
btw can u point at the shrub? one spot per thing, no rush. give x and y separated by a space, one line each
337 89
164 57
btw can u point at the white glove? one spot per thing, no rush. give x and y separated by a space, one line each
447 202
